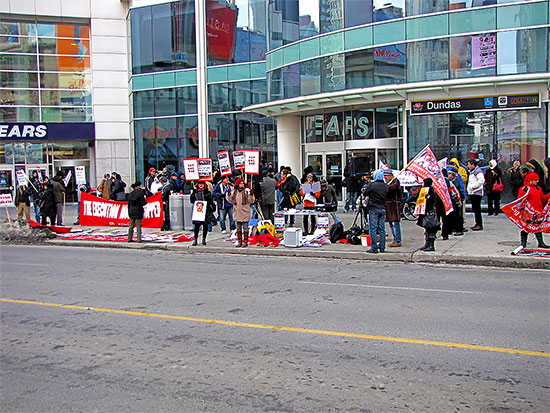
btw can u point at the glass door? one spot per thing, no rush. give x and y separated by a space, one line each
6 181
334 171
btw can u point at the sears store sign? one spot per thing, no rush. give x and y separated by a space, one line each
47 131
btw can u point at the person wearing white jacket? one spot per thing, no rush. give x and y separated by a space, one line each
476 181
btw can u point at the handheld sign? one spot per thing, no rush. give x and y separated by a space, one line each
191 168
67 177
199 211
21 178
225 163
5 200
252 162
80 175
239 160
205 169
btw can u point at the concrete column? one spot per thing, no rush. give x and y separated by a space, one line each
288 143
202 98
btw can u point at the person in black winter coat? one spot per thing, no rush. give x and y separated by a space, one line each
377 192
167 189
23 202
118 191
201 193
136 202
430 232
47 205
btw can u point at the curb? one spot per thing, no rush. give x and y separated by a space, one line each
416 257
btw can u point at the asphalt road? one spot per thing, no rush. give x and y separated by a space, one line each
139 330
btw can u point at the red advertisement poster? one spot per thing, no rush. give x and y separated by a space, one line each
221 19
101 212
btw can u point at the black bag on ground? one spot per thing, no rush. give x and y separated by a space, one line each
336 232
353 235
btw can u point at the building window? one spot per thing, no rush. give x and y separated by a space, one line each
428 60
473 55
389 64
360 69
522 51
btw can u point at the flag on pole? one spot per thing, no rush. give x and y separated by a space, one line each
425 165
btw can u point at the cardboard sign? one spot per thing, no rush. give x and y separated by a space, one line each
252 162
191 169
80 175
22 178
224 163
420 208
323 221
279 222
199 211
96 211
239 159
5 200
205 169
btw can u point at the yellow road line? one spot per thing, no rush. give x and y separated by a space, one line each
293 329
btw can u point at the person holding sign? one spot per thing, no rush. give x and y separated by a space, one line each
428 218
311 194
242 198
47 204
203 205
23 202
136 202
59 194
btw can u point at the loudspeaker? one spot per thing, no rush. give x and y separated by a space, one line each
359 165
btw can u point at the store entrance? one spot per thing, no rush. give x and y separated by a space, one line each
329 166
67 169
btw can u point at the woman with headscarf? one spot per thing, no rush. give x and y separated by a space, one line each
430 219
515 178
493 175
537 199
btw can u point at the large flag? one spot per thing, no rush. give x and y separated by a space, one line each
425 165
525 217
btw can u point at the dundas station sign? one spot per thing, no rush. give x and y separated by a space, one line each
474 104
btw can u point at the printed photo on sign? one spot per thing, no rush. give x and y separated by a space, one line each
323 221
191 169
279 222
252 162
199 211
205 169
239 159
224 163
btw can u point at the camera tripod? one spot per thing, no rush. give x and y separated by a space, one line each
361 214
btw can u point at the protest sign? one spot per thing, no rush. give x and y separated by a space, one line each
191 169
252 162
526 217
67 177
205 169
199 211
22 177
239 160
224 163
80 175
5 200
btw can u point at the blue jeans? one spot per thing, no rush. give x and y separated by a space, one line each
396 231
377 229
227 212
37 210
350 202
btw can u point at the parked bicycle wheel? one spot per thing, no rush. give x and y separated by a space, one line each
408 211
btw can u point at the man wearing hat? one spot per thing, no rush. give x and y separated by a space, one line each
136 202
394 205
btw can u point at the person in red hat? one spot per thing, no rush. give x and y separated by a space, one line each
149 180
242 199
537 199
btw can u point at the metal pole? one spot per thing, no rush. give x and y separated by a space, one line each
202 91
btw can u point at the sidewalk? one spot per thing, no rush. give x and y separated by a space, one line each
490 247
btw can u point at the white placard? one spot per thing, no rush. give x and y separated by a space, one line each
5 200
252 162
22 177
239 159
224 163
68 177
199 211
323 221
191 169
279 222
80 174
205 169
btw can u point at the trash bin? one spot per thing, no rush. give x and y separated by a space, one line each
187 212
176 212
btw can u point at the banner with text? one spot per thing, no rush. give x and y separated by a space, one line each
525 217
96 211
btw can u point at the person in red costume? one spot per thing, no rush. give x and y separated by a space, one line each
537 199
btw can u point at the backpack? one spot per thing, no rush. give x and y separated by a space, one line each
353 235
336 232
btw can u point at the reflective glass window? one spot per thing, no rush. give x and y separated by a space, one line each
75 47
66 80
142 40
187 100
18 97
291 81
473 55
331 15
222 130
388 157
242 94
219 97
313 128
15 44
165 102
227 31
188 137
309 18
388 9
333 126
426 6
275 84
64 63
19 114
259 91
363 125
144 104
162 36
75 31
6 156
19 28
428 60
74 114
357 12
74 97
17 62
19 79
333 73
522 51
389 64
310 77
360 69
386 122
37 153
258 30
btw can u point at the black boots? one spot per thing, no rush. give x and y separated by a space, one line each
541 241
430 243
422 248
523 237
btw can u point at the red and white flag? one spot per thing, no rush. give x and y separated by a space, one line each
526 217
425 165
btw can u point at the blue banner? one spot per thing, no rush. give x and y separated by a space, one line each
47 131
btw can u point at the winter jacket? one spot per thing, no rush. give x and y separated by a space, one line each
536 197
23 195
310 199
475 182
394 202
328 196
377 191
268 186
58 189
220 191
103 187
492 176
47 203
288 187
136 202
118 192
461 171
241 201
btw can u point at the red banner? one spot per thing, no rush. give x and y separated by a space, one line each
525 217
425 166
101 212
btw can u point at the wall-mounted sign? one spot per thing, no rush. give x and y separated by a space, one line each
47 131
484 103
